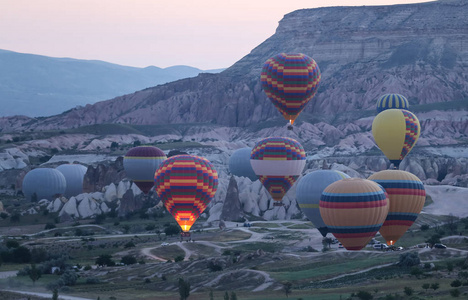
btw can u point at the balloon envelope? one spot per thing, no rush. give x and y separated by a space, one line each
389 101
290 81
309 190
407 196
239 164
140 164
396 131
278 162
46 183
74 175
186 184
354 209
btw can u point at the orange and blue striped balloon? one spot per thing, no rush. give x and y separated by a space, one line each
186 184
278 162
354 209
290 81
407 196
389 101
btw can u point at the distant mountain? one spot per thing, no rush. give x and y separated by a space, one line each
35 85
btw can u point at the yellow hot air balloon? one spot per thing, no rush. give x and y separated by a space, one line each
407 195
396 131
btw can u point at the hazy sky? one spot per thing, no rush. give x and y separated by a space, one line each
202 33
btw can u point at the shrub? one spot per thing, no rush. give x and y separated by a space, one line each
49 226
425 227
214 267
456 283
130 244
408 291
105 260
179 258
455 293
409 259
92 280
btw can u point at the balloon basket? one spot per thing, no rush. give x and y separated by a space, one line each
290 127
278 204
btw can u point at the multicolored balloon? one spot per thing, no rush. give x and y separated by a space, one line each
354 209
396 131
278 162
140 164
407 196
308 193
290 81
239 164
186 184
389 101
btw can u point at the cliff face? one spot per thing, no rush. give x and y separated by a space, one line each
418 50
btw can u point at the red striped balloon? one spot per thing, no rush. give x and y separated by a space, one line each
186 184
290 81
407 196
354 209
278 162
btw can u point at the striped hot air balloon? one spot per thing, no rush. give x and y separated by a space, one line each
354 209
407 196
308 193
278 162
389 101
140 164
290 81
396 131
186 184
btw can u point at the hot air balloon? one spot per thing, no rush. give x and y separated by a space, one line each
239 164
74 175
354 209
278 162
140 164
407 195
389 101
186 184
308 193
290 81
46 183
396 131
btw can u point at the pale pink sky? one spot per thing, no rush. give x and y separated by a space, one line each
201 33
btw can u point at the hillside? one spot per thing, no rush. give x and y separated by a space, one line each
35 85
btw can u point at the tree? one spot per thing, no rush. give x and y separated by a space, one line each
408 291
426 286
114 145
184 289
409 259
451 223
34 273
287 286
21 255
363 295
226 295
435 286
211 295
128 260
171 230
233 296
424 227
136 143
434 239
55 294
105 260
